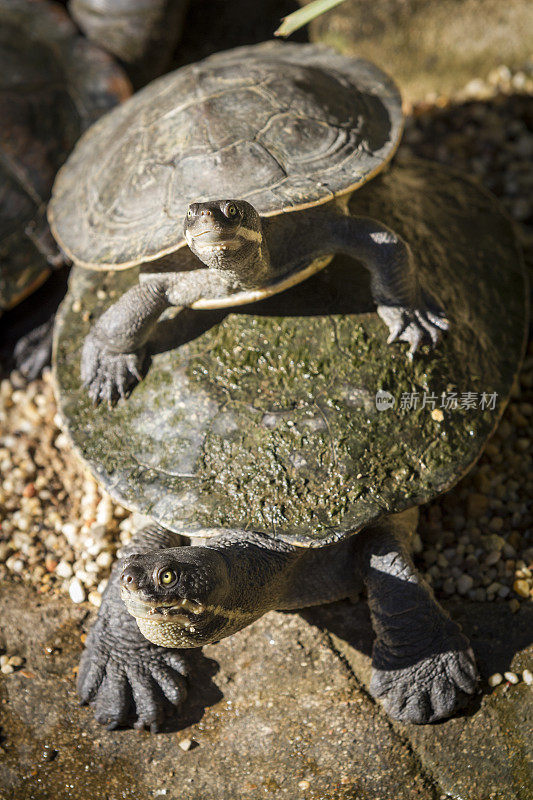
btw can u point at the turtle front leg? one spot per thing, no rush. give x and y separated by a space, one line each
410 314
423 666
114 349
121 674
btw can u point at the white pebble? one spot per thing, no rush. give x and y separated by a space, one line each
7 669
185 744
527 677
76 591
104 559
95 598
70 532
511 677
495 679
63 569
4 660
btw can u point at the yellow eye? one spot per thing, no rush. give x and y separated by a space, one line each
189 213
167 577
231 210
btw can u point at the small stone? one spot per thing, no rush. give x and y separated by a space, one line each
185 744
104 559
464 584
495 679
63 569
437 415
477 504
521 587
76 306
448 587
511 677
16 661
527 676
303 785
48 753
76 591
7 669
95 598
4 660
514 605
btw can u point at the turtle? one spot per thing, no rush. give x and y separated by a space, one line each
53 86
228 180
277 453
142 33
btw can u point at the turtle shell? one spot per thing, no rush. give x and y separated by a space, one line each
294 416
284 126
53 85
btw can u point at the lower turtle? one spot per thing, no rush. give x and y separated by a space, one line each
53 85
279 450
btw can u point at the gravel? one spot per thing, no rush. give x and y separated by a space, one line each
58 530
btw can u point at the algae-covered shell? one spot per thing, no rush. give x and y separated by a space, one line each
53 85
284 126
266 417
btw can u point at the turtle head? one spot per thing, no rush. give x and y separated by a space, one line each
225 234
180 597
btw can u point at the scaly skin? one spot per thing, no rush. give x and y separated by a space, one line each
423 666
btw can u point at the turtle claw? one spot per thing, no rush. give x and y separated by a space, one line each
128 679
108 376
413 326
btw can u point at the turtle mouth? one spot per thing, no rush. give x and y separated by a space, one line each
214 240
181 611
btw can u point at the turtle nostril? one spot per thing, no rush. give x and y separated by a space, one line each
128 579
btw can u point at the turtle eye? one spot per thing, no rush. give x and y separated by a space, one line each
231 210
189 212
167 577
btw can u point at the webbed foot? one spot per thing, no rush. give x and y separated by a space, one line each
127 678
432 689
108 375
414 326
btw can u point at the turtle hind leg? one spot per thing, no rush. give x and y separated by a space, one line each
126 678
423 666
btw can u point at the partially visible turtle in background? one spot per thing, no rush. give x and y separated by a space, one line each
142 33
248 157
272 449
53 86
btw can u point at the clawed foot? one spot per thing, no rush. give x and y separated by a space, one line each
414 326
34 351
434 688
108 375
144 683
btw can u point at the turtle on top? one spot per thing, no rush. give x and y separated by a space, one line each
249 158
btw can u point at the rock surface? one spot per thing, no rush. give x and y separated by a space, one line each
281 714
431 45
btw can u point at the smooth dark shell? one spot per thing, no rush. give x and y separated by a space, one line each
283 126
265 418
53 85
